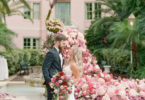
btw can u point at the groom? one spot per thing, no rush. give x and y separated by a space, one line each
53 63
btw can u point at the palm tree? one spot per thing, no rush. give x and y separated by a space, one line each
118 28
121 10
9 8
102 25
5 36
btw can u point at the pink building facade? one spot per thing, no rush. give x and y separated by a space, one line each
74 13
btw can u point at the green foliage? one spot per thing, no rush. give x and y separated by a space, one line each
115 30
97 33
121 33
140 73
137 74
36 58
118 59
14 57
9 8
5 36
141 55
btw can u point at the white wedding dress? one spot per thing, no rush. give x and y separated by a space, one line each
67 71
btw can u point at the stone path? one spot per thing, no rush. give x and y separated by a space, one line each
18 89
24 92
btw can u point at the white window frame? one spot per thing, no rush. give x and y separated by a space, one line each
31 4
69 12
93 10
31 43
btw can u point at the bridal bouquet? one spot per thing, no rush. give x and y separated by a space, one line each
62 85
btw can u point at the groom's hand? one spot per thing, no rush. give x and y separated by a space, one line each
50 86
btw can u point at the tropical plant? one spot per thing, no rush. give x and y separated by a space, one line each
120 10
118 59
9 8
5 36
99 33
12 7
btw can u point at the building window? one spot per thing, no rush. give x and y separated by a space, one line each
31 43
35 13
62 12
93 10
36 10
27 12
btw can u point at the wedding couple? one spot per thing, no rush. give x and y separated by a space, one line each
55 63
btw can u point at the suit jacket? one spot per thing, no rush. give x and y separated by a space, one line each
51 65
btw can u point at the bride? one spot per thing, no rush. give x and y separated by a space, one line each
73 67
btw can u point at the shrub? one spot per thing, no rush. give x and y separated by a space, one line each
36 58
119 60
14 57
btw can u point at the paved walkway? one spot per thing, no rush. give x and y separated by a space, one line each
19 90
24 92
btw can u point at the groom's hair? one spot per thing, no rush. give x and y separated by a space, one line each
60 37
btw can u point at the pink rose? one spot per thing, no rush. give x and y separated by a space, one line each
106 97
61 98
133 93
69 91
101 91
53 80
57 83
64 91
142 94
111 91
55 91
116 91
101 81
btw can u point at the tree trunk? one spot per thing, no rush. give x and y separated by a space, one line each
134 50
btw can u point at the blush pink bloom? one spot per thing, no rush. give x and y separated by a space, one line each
53 80
101 81
142 94
106 97
133 93
101 91
61 98
111 91
55 91
57 83
117 91
63 91
122 94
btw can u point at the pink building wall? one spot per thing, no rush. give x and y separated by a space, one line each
25 28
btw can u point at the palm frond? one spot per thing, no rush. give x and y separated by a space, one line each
5 4
5 36
25 4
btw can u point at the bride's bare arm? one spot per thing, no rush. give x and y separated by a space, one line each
75 72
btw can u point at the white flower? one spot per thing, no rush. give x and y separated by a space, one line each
142 94
106 97
101 81
55 91
111 91
94 96
62 77
60 81
133 93
101 90
122 94
61 87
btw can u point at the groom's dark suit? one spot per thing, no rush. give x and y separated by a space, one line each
51 66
